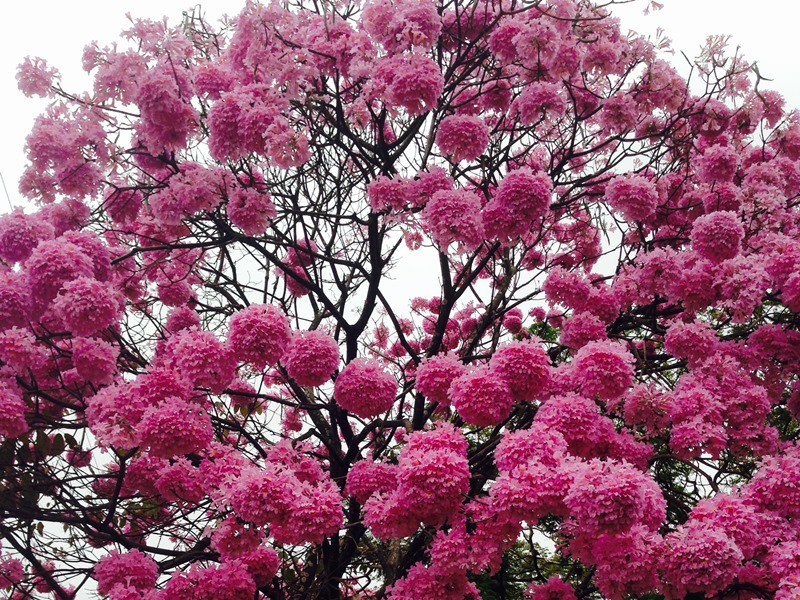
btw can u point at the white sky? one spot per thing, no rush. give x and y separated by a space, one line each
57 30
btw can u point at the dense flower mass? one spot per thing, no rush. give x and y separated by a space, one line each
462 137
133 569
717 236
311 357
364 388
635 197
87 306
521 199
525 367
603 369
258 335
435 375
481 396
402 300
454 217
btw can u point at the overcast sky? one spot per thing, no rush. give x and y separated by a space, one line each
57 30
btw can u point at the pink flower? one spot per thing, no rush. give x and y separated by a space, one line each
699 558
174 428
435 374
481 396
35 78
95 360
94 247
402 24
619 114
87 306
454 217
525 367
181 318
52 264
634 196
12 572
432 478
201 358
179 481
364 388
580 329
132 569
717 164
553 589
695 341
250 210
367 477
512 321
607 496
12 411
462 137
21 233
717 236
167 116
426 184
15 300
258 335
230 580
603 369
311 357
412 81
539 443
522 198
387 194
539 100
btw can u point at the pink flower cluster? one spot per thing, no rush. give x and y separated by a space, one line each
35 78
12 411
482 396
427 486
365 388
175 427
87 306
311 357
521 199
384 193
292 494
435 375
402 24
453 217
462 137
717 236
603 369
202 358
634 196
258 335
525 366
20 234
132 569
250 210
412 81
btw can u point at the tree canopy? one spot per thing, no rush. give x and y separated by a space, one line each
207 391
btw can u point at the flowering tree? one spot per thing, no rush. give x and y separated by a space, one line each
207 392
